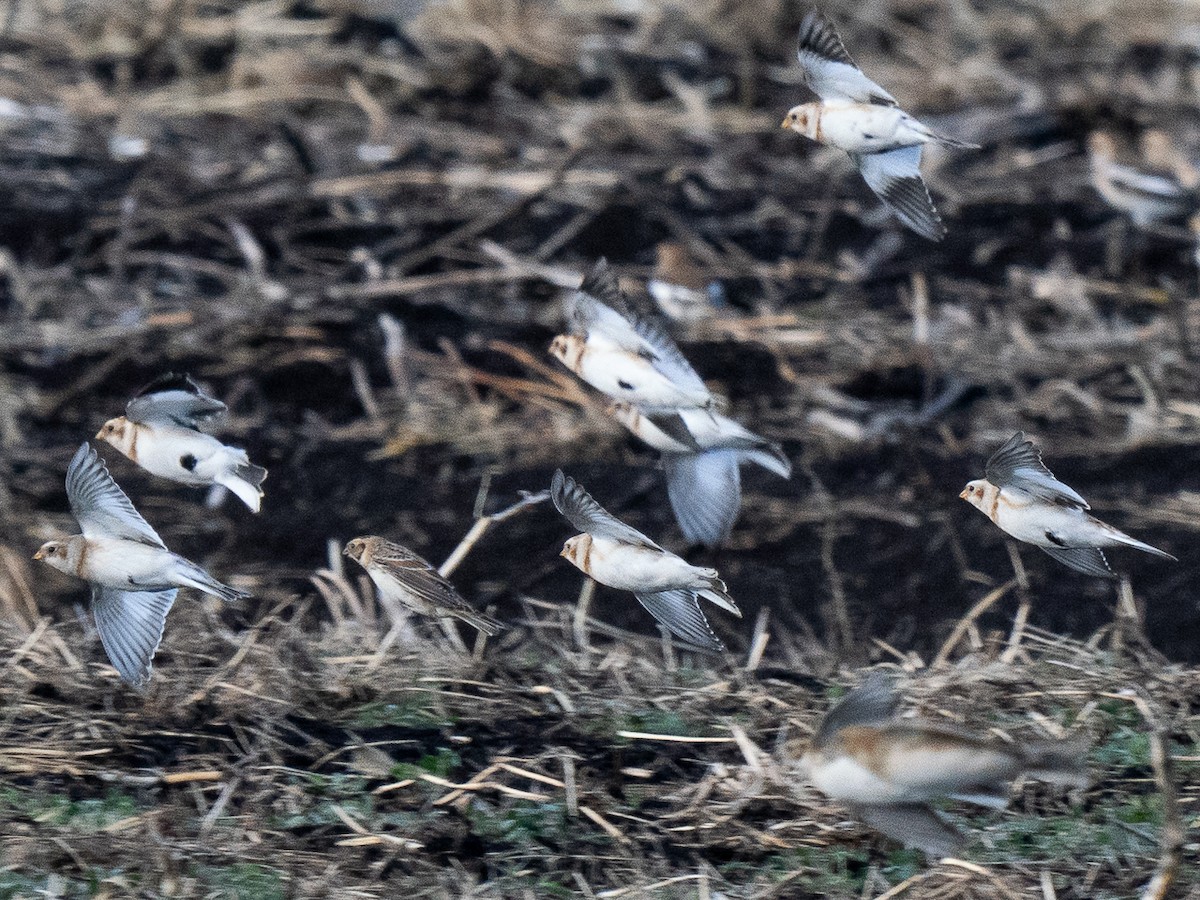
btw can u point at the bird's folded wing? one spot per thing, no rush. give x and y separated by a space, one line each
895 176
1088 560
705 491
679 612
102 508
416 576
578 507
173 400
828 68
1018 464
131 628
914 825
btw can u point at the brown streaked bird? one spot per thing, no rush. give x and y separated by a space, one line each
1026 501
623 354
411 581
621 557
856 115
889 770
134 576
160 431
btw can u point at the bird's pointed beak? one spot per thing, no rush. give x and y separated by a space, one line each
785 124
41 554
562 552
962 495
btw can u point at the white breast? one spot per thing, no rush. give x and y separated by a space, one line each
867 127
122 564
640 569
843 778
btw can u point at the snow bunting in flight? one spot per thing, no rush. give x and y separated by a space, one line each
160 432
888 770
623 354
856 115
1145 196
621 557
134 576
702 452
406 578
1021 496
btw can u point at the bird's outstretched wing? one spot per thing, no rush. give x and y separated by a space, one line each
1018 464
679 612
871 703
895 177
828 69
578 507
102 508
131 624
173 399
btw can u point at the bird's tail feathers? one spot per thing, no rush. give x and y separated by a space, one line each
717 593
194 576
772 458
244 481
485 623
1142 545
954 142
256 475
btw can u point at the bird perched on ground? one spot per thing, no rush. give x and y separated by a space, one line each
134 576
856 115
1146 196
623 354
620 556
408 579
679 288
702 452
888 770
160 431
1021 496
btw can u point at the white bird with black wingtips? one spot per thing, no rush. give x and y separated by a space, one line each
1026 501
160 431
856 115
134 576
620 556
622 354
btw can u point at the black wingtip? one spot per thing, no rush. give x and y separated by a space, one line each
818 35
560 485
601 283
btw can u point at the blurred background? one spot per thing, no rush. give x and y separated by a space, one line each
354 221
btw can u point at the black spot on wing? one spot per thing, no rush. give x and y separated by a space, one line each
1055 539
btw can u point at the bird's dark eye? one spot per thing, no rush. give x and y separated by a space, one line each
624 385
188 462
